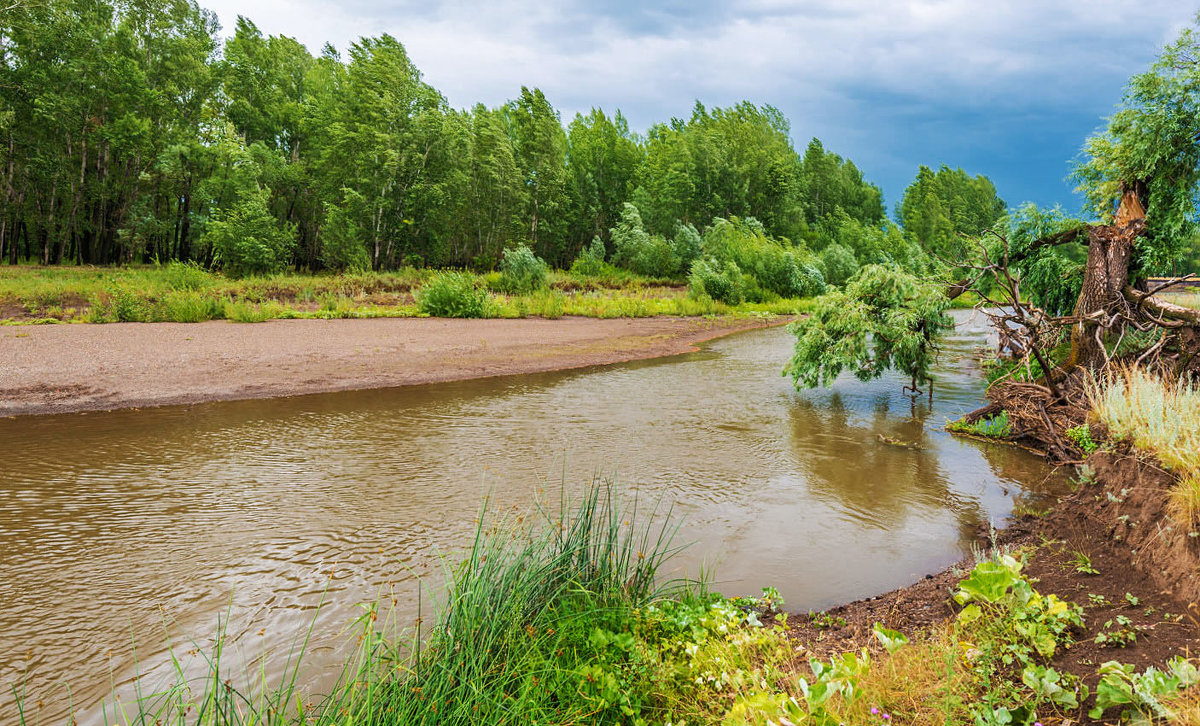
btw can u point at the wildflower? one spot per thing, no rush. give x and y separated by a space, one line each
874 711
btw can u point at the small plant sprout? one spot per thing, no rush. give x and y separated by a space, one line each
1083 563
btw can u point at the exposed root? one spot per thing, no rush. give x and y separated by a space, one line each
1037 416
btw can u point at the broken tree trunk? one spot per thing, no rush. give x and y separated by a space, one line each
1105 277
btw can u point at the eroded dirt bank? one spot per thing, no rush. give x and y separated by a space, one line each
1108 546
68 368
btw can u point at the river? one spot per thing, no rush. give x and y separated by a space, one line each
120 528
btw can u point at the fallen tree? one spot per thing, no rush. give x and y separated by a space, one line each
1060 324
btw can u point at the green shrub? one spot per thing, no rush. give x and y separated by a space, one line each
722 283
248 240
522 271
837 264
688 244
187 276
781 269
118 304
453 295
638 251
590 261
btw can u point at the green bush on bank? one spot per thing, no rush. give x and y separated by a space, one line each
521 271
723 283
453 295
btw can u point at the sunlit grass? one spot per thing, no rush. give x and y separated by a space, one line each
1160 418
189 294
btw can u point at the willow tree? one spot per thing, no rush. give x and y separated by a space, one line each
884 319
1140 176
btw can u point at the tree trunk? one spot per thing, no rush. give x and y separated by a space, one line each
1110 250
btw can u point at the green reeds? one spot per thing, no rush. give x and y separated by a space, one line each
518 626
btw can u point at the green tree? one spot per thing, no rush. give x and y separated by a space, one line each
602 159
939 207
381 133
830 184
541 148
1150 147
885 318
489 199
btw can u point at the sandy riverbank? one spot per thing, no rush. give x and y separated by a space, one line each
68 368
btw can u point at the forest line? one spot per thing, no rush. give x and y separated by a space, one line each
133 134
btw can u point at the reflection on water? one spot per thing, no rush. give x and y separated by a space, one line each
115 523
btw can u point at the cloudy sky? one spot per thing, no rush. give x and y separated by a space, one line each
1007 88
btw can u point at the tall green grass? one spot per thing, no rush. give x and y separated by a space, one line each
534 616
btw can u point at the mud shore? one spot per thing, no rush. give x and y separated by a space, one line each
50 369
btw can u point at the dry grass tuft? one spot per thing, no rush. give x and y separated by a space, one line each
1159 418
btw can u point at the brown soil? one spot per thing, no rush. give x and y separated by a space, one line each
1117 521
66 368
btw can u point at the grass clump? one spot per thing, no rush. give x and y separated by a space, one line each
1160 418
187 276
453 295
562 621
991 427
190 306
245 311
118 304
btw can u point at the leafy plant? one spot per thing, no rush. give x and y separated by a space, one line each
1007 624
1117 633
826 620
1081 435
1141 695
521 271
992 427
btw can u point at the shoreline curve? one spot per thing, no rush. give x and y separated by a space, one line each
59 369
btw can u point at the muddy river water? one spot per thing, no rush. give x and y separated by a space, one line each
117 529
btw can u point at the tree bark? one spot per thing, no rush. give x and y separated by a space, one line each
1106 275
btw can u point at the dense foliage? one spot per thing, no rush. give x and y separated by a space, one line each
129 132
885 318
939 207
